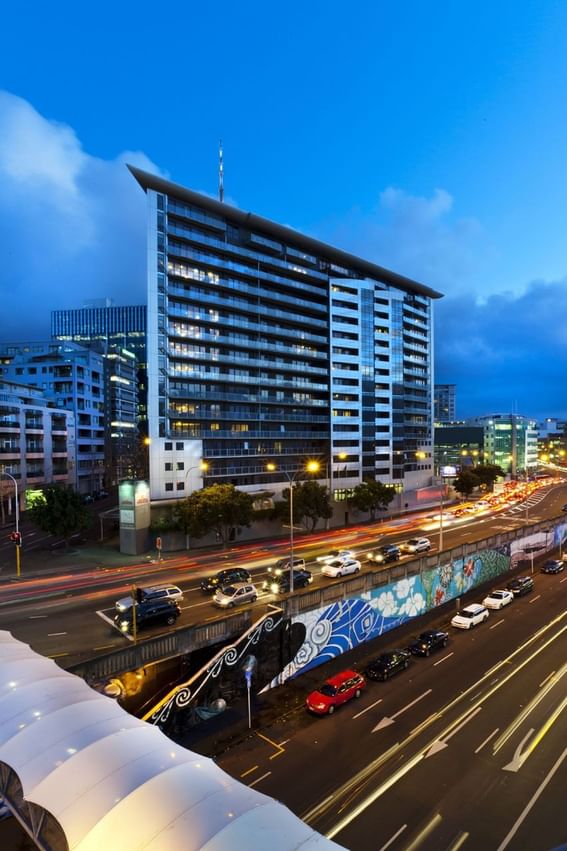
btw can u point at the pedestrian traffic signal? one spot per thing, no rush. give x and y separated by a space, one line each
16 537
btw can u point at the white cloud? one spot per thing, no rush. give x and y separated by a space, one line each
73 225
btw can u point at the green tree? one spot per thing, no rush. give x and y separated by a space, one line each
371 496
61 512
221 509
310 504
466 482
488 473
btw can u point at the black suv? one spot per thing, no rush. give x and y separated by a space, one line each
521 585
148 613
224 578
279 584
387 664
428 641
385 554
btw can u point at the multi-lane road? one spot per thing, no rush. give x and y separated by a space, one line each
69 616
466 749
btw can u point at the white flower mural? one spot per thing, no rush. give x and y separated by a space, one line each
386 603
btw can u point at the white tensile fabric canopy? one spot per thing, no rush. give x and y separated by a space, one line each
115 782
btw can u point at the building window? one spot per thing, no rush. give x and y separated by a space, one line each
179 445
169 486
180 486
168 466
168 447
180 466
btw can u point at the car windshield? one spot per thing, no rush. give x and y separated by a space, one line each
465 614
412 542
497 595
328 690
230 591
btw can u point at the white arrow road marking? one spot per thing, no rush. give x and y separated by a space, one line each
518 758
440 744
385 722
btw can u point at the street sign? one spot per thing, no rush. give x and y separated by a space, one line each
158 543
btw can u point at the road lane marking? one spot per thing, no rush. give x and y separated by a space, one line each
250 770
534 599
522 817
486 741
563 580
372 705
104 647
448 656
385 722
57 655
36 617
441 743
494 625
105 618
393 838
272 743
543 682
53 634
263 777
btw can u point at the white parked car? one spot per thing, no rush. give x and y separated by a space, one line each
336 554
470 616
416 545
497 599
340 567
240 592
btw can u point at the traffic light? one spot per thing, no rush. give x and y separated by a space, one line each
16 537
139 595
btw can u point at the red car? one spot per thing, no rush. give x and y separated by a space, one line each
335 691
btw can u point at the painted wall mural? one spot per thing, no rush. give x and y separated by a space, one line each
345 624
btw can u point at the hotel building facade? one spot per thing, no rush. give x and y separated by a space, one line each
267 346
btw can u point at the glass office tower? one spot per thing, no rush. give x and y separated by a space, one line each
265 345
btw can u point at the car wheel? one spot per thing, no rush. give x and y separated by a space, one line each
445 642
231 605
427 653
330 710
356 569
339 574
406 663
254 598
384 676
357 693
170 620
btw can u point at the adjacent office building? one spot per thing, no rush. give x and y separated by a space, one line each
265 345
119 334
458 445
445 403
72 377
37 440
510 441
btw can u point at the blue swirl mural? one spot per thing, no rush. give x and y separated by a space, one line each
334 629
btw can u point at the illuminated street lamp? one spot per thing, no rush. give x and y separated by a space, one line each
310 467
203 467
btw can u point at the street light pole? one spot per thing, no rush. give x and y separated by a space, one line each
17 511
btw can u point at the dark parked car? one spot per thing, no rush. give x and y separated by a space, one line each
428 641
148 613
564 507
553 565
520 586
388 664
224 578
383 555
279 584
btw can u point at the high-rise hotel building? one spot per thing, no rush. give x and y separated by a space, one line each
265 345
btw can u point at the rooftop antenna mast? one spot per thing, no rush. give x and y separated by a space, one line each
221 173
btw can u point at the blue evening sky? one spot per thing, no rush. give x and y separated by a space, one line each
428 137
